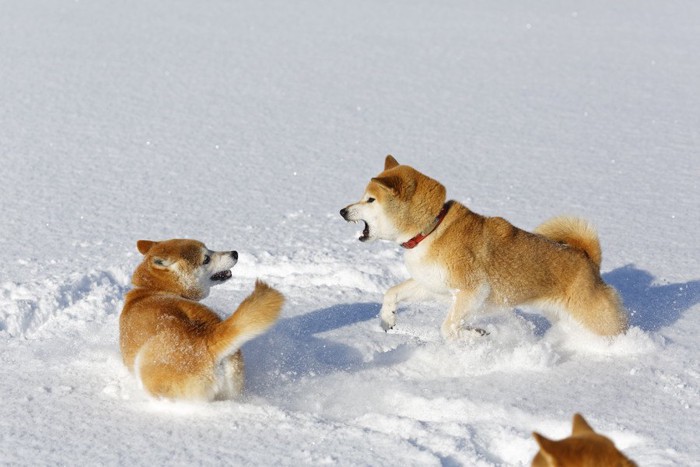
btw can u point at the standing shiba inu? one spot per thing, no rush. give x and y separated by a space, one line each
584 448
483 263
177 347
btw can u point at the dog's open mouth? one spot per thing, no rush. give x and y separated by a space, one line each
221 276
365 233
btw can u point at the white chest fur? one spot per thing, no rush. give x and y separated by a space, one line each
425 270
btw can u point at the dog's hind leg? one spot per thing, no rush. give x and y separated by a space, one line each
466 303
408 290
231 377
599 309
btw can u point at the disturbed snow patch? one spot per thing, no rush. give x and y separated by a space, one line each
510 346
572 338
27 308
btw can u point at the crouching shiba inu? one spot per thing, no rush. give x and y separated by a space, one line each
483 263
177 347
584 448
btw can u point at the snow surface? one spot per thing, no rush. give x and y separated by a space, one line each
248 125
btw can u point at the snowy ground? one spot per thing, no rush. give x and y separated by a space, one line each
248 125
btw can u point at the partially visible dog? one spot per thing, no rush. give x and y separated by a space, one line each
483 263
177 347
584 448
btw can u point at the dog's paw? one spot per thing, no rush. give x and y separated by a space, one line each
451 332
469 330
388 318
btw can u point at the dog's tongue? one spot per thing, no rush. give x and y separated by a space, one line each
221 276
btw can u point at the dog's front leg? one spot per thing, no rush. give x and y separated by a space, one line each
408 290
465 304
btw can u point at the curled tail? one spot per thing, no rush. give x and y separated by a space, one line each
575 232
255 315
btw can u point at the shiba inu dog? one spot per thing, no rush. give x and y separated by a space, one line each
177 347
584 448
483 263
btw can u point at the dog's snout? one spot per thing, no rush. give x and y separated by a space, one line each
344 213
234 254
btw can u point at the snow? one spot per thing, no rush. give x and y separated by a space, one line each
248 125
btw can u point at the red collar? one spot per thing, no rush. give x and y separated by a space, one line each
412 243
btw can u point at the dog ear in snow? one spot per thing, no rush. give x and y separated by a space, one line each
584 447
580 426
144 246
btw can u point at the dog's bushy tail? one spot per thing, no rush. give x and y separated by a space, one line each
255 315
575 232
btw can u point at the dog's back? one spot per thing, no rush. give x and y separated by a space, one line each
556 268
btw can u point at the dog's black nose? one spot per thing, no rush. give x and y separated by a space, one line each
344 212
234 254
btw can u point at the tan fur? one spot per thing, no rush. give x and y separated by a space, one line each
584 448
485 263
577 233
179 348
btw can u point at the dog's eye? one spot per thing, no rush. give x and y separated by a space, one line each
370 200
207 258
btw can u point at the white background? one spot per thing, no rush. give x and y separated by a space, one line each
248 125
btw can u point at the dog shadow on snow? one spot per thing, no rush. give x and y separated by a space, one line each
293 350
652 306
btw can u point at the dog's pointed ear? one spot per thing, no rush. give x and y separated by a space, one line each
390 162
580 425
548 448
390 183
144 246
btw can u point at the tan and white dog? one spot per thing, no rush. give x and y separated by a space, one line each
584 448
177 347
483 263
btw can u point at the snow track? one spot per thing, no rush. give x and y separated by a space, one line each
50 307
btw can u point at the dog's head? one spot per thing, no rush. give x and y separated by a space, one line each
397 204
184 267
583 448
